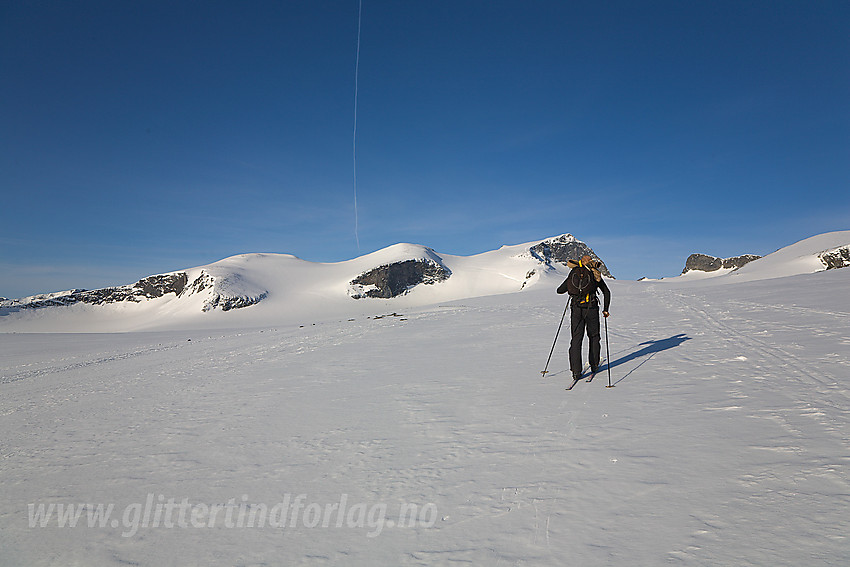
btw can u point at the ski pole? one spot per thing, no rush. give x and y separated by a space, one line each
608 354
545 370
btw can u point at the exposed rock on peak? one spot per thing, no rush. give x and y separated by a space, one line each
146 288
157 286
706 263
392 280
223 293
563 248
836 257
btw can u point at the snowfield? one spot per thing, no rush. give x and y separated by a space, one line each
425 434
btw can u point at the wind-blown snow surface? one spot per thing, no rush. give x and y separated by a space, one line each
725 441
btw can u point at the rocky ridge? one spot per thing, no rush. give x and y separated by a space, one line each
226 289
392 280
563 248
398 278
150 287
836 257
706 263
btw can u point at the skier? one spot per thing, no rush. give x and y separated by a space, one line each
582 285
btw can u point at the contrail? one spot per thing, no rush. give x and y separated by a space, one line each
354 136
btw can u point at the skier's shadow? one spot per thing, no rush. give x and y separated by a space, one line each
650 349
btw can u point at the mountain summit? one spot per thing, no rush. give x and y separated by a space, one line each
268 288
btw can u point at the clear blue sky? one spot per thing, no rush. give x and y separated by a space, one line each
145 137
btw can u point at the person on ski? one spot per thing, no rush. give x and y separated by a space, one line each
582 285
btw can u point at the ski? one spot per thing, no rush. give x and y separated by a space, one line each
594 373
577 380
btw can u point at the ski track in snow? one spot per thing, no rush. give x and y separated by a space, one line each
805 396
724 442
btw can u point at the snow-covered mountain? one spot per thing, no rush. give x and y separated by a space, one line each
282 288
818 253
826 251
252 290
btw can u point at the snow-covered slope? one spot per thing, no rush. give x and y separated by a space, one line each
804 257
266 289
815 254
430 437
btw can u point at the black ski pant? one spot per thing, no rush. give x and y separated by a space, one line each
584 319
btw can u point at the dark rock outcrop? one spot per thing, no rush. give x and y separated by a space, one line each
739 261
150 287
836 258
702 263
706 263
147 288
157 286
392 280
563 248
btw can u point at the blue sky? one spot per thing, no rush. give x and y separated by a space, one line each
145 137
